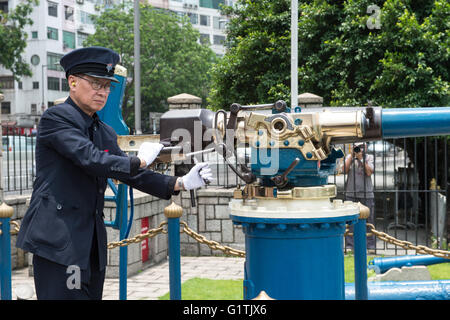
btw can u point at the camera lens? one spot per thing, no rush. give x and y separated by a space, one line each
357 149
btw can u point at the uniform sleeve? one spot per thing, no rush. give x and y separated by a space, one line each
154 183
72 143
145 180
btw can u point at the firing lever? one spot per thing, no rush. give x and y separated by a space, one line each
282 180
193 154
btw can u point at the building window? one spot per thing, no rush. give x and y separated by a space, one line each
218 39
7 82
219 23
53 61
6 107
52 33
204 39
205 20
68 13
33 108
4 6
193 17
35 59
213 4
35 84
34 34
81 37
20 85
64 85
69 39
53 83
85 17
52 9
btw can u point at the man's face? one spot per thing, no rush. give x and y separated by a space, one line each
85 96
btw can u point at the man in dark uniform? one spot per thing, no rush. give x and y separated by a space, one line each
75 154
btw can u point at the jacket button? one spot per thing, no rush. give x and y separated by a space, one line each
58 206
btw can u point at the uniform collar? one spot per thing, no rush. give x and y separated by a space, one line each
88 120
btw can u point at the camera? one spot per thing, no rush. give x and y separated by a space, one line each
357 149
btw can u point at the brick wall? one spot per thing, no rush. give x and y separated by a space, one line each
211 219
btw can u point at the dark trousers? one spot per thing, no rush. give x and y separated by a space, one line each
371 241
54 281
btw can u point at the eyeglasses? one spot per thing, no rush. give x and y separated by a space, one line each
97 85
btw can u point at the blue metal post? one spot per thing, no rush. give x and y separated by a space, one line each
174 258
123 253
361 291
5 259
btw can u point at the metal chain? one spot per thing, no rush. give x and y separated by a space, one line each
408 245
214 245
16 227
140 237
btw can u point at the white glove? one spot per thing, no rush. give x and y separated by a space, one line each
197 176
148 151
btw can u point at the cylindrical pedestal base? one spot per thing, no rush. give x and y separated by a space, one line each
293 255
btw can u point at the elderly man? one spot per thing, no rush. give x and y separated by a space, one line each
75 154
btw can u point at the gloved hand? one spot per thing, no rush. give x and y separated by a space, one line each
148 151
197 176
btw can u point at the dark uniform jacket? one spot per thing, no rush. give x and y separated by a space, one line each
75 154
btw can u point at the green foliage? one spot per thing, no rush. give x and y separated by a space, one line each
13 38
172 61
404 63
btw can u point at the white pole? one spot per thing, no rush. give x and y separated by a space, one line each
137 69
294 54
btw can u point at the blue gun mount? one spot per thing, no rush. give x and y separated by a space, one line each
292 149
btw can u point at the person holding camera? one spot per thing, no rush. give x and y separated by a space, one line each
359 167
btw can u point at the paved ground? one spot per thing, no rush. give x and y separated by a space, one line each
153 282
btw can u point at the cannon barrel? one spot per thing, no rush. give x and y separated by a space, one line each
381 265
404 290
415 122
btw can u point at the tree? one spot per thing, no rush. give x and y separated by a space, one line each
172 60
394 53
13 38
404 63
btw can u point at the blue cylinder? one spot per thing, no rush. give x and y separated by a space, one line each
293 259
173 225
5 260
415 122
381 265
404 290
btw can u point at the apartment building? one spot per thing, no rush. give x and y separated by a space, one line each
61 26
205 17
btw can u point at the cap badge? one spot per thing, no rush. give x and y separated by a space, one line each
109 67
